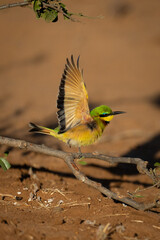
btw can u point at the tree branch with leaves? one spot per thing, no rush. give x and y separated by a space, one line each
49 10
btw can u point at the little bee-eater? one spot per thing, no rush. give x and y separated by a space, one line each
77 126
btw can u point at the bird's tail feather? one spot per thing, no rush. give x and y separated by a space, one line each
39 129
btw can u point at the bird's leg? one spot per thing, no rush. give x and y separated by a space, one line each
80 153
80 158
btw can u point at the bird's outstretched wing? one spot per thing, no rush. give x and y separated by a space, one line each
73 98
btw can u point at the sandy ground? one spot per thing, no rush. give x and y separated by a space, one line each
120 56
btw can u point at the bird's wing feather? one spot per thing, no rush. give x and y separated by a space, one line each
73 98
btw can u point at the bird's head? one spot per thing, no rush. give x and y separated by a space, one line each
105 113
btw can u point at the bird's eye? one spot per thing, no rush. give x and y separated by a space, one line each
104 114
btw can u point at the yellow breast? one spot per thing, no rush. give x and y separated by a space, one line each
81 135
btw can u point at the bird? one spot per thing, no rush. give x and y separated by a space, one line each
77 125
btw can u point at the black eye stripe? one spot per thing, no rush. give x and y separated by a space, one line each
105 115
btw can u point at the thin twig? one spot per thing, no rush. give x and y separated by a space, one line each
18 4
69 160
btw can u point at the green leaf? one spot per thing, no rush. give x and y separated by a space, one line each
62 5
4 164
157 164
37 5
50 15
138 196
82 162
65 11
6 153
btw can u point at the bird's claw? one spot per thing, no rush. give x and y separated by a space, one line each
80 157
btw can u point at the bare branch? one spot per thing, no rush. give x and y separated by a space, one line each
19 4
141 164
69 160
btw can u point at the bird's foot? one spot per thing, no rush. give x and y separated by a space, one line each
80 154
81 157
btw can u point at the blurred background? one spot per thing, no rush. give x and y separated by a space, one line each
119 52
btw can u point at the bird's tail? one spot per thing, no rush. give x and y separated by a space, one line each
40 129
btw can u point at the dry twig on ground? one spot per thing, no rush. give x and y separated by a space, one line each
69 160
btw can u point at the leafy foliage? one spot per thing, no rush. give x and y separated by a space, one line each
82 162
4 163
157 164
49 10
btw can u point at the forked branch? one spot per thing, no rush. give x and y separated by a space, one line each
69 160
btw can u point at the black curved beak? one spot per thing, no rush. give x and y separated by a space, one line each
117 112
